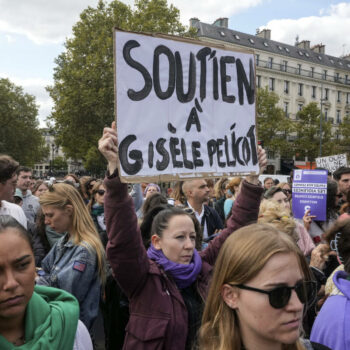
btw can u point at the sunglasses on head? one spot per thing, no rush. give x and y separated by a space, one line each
101 192
279 297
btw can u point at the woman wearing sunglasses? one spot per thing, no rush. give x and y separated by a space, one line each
96 207
76 263
167 284
260 288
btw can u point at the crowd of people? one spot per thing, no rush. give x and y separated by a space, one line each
206 264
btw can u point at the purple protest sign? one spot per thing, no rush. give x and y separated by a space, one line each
310 192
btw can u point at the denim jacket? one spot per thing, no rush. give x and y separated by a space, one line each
74 268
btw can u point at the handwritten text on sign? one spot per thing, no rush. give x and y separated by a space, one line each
182 108
332 163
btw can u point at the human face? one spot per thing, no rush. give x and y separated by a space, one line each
262 326
90 187
150 191
41 189
200 191
17 275
24 179
178 240
60 220
71 179
287 191
7 189
100 198
268 184
344 184
281 198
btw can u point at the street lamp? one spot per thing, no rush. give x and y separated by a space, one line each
52 157
321 119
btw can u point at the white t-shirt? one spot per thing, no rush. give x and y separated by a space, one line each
15 211
82 338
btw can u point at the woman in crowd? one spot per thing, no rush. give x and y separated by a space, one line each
39 188
178 195
87 183
33 317
166 285
220 189
332 324
76 263
287 190
232 190
260 288
96 207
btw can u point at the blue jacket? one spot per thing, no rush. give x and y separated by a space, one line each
74 268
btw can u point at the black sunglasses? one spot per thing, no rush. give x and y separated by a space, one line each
101 192
279 297
287 191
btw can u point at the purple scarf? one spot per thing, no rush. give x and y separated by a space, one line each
184 275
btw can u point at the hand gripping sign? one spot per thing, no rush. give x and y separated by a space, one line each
183 108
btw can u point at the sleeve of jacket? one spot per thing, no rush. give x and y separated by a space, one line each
245 211
125 250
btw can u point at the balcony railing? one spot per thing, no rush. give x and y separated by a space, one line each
302 72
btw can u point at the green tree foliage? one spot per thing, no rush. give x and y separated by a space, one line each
83 90
59 163
344 131
307 143
272 124
20 136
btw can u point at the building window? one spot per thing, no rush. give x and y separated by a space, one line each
284 66
272 84
313 94
336 77
338 96
347 98
300 107
286 87
326 93
257 58
270 62
346 79
325 74
312 72
338 116
286 108
299 69
258 81
326 114
300 89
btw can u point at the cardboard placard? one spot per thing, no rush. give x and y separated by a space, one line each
310 193
332 163
184 109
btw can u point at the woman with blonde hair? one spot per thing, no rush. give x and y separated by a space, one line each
260 287
76 263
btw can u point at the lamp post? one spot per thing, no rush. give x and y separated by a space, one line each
52 156
321 119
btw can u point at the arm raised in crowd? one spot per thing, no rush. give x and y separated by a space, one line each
125 251
245 211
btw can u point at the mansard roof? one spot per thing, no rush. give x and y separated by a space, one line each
258 43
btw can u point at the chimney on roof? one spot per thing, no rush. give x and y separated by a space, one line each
193 22
319 48
221 22
305 44
264 33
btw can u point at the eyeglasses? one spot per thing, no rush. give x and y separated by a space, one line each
279 297
101 192
287 191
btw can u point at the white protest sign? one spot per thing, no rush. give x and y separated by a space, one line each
183 109
332 163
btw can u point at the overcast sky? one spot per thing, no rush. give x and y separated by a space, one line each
32 32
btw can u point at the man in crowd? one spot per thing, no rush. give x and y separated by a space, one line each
197 193
30 203
342 176
8 181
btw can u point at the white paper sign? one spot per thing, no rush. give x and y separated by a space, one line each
332 163
183 110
